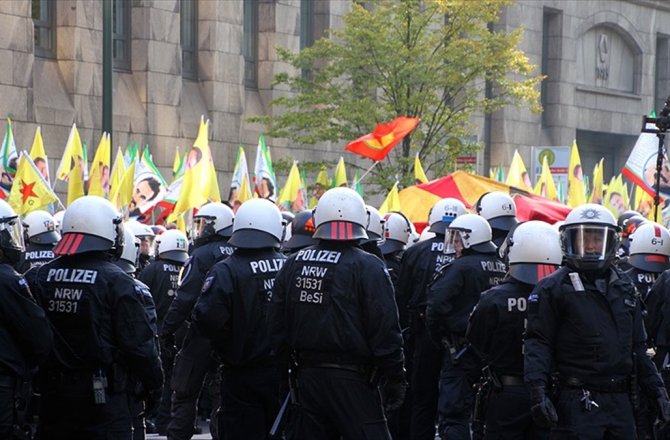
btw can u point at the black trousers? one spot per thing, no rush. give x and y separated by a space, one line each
8 387
335 403
613 419
426 365
191 365
69 412
508 416
250 401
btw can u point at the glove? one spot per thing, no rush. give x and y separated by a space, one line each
663 405
542 410
393 393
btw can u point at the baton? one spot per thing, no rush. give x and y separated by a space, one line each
280 416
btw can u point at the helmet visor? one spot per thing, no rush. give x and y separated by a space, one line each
12 233
453 242
590 241
202 226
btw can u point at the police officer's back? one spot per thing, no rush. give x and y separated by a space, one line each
41 234
102 334
25 334
585 322
212 226
496 326
453 294
232 313
333 308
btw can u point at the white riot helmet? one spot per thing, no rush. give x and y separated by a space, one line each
498 209
375 229
589 238
443 213
91 223
288 218
533 249
213 219
397 229
340 214
11 233
40 228
144 234
173 246
58 221
413 236
131 250
258 224
650 248
472 230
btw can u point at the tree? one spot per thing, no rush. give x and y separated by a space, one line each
430 59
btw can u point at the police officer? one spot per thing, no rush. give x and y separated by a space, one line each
397 230
418 266
127 262
212 226
585 323
40 231
302 231
453 294
162 278
499 210
333 309
495 332
629 223
25 334
232 313
146 235
102 334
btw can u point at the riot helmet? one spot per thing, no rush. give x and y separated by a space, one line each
397 230
11 234
128 260
533 251
212 219
258 224
589 238
145 235
468 232
40 228
443 213
302 231
173 246
375 229
498 209
340 214
650 248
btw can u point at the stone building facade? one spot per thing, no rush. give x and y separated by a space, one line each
607 62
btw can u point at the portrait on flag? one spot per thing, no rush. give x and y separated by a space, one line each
149 188
641 166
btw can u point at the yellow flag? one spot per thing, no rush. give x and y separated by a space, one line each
322 177
122 194
392 201
118 170
74 152
419 175
597 191
576 190
292 192
244 192
340 177
75 184
518 176
39 156
616 199
98 180
644 203
176 164
181 224
30 191
545 185
200 182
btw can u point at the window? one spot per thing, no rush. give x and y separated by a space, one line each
306 23
121 34
189 39
44 20
551 56
250 48
662 86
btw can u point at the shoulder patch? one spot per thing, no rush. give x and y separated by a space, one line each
207 284
533 297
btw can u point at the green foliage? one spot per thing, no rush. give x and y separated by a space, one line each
424 58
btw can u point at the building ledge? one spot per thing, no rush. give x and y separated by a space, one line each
609 92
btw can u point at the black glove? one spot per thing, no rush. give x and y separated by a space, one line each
663 405
542 410
393 392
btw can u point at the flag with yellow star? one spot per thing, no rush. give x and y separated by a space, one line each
30 191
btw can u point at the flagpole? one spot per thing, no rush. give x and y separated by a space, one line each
365 173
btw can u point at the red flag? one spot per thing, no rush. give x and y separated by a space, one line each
379 143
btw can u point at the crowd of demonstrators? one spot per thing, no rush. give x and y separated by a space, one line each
334 323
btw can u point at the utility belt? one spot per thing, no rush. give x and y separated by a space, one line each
619 386
113 379
511 381
336 362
